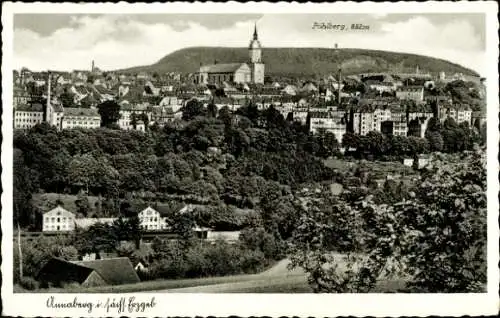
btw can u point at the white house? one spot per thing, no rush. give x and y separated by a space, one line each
363 123
415 93
152 220
27 116
333 122
80 117
58 220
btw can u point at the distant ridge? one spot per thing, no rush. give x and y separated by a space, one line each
297 62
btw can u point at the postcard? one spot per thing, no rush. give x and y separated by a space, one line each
250 159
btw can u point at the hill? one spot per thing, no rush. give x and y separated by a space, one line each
295 62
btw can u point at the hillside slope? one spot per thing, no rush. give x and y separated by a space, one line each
295 62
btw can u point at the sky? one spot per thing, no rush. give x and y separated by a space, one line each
72 41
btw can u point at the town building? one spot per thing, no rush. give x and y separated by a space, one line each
363 122
20 97
460 114
27 116
162 115
58 220
130 115
415 93
333 122
395 125
80 118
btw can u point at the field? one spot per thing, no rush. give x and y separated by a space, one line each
277 279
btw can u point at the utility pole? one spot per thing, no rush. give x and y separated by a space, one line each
20 250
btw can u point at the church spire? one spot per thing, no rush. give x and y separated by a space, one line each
255 36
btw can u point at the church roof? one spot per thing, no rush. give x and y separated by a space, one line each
221 68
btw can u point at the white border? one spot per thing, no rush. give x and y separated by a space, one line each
265 304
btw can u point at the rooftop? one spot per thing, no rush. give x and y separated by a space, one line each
87 112
30 108
221 68
114 271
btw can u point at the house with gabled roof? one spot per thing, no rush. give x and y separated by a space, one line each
58 220
102 272
151 219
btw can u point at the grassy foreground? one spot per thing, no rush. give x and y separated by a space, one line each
277 279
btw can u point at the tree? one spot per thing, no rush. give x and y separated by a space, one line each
435 240
225 116
192 109
212 110
82 204
435 139
25 183
350 140
110 113
67 99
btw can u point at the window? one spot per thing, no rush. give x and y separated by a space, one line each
58 219
53 219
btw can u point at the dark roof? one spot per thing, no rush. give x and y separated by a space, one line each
57 270
114 271
30 108
81 112
221 68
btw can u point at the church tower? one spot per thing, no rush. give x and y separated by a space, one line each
256 65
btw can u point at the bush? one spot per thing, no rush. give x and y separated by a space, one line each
252 261
223 259
260 240
29 283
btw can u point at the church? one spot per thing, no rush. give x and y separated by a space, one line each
252 72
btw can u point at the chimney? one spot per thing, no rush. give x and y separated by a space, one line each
92 69
215 62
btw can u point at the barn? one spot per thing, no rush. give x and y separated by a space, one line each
102 272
